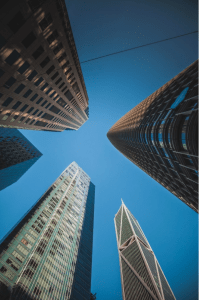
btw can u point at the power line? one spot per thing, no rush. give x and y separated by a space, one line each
114 53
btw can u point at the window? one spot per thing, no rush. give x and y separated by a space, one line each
27 94
40 123
47 117
62 57
2 41
18 256
58 81
44 103
70 76
24 107
40 113
38 52
61 102
64 89
180 98
45 62
19 88
76 88
54 109
23 68
65 65
61 85
68 71
16 22
32 75
13 57
34 97
32 122
21 119
7 101
16 105
14 118
6 117
58 48
47 20
44 86
50 69
55 75
52 37
36 111
68 95
29 39
31 109
1 72
40 99
48 91
47 106
39 81
52 94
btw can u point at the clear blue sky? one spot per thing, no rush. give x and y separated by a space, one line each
115 85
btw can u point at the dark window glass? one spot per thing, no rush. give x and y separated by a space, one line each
29 39
70 76
13 57
40 123
47 117
23 68
27 94
38 52
68 95
24 107
36 111
58 81
45 62
16 22
31 109
44 86
34 97
76 88
65 65
39 81
55 75
52 37
22 119
2 41
44 103
50 70
7 101
27 121
32 121
1 95
40 99
9 82
48 91
52 94
62 57
68 71
19 88
14 118
1 72
61 85
54 109
47 20
40 113
16 105
58 48
61 102
32 75
47 106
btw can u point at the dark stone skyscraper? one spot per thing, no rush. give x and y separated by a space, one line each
160 135
41 82
48 255
141 275
17 155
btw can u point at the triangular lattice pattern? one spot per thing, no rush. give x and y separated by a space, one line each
118 222
166 289
126 228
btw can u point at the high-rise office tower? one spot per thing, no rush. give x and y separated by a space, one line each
160 136
48 255
141 275
41 82
17 155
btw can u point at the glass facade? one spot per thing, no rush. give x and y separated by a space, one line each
141 275
48 255
17 155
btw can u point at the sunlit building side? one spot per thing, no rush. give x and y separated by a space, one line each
41 81
141 275
48 254
160 135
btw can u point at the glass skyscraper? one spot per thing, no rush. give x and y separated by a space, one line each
141 275
160 135
48 254
17 155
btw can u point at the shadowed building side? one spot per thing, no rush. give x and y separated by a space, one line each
160 136
141 275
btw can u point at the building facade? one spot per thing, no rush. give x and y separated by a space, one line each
41 82
141 275
160 136
17 155
48 255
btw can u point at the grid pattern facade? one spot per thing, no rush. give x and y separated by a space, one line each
141 275
41 82
49 252
17 155
160 136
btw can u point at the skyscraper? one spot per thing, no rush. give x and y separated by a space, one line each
141 275
48 255
160 136
17 155
41 82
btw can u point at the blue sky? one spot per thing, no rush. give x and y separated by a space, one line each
115 85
